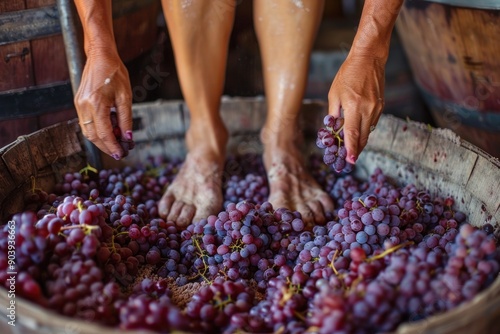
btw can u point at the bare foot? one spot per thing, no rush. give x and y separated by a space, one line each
196 191
292 187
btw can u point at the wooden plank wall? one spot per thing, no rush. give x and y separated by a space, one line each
45 64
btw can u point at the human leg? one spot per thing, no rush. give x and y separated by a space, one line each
286 30
200 32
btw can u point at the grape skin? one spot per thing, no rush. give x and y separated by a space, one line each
331 139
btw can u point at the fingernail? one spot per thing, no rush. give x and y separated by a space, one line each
128 135
354 158
115 156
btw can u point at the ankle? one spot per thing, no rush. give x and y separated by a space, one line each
284 137
208 138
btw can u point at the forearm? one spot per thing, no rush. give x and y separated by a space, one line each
375 28
97 22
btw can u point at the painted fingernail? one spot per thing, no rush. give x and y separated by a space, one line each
115 156
128 135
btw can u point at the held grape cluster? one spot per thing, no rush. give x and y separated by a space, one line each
331 139
96 249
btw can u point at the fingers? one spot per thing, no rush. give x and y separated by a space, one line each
366 123
124 112
105 134
105 84
352 132
90 133
333 103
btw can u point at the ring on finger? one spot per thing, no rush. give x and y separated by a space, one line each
88 122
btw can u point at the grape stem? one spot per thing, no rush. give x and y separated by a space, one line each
219 303
202 254
88 168
299 315
113 247
336 133
85 227
388 251
332 264
33 185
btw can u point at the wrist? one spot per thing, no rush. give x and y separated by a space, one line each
375 28
100 48
378 51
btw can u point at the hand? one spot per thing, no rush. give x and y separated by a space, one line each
358 90
105 84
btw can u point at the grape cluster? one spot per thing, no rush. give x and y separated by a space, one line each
27 249
331 139
251 188
410 284
96 249
240 242
150 306
214 306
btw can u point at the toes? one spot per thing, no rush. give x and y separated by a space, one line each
307 213
186 215
175 211
206 209
317 208
326 202
165 205
279 200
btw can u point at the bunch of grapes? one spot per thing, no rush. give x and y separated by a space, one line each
331 139
410 284
251 188
22 250
214 306
150 306
239 242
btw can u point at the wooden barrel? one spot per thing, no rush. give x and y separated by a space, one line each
407 152
35 90
452 47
